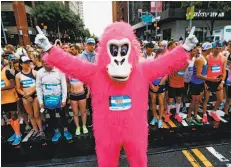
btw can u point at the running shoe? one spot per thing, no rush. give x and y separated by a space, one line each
67 135
41 135
34 135
184 109
27 129
178 118
197 121
77 132
56 136
189 120
215 116
222 106
167 117
85 130
160 124
12 138
227 117
17 140
205 119
154 121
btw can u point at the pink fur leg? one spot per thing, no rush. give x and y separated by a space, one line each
136 152
107 154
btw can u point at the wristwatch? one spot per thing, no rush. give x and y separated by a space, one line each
223 82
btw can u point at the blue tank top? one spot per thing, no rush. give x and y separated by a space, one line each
196 80
157 81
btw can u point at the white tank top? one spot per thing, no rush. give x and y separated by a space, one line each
27 80
189 70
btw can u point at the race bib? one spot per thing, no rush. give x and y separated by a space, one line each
52 102
74 81
3 84
180 73
52 87
228 82
28 83
119 103
190 69
216 69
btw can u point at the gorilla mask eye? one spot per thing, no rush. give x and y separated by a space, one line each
114 50
124 50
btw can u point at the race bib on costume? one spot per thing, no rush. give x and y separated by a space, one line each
3 84
119 103
215 68
180 73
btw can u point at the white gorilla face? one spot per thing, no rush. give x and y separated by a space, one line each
119 68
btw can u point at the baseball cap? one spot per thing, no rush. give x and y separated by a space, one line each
25 59
90 40
206 46
11 57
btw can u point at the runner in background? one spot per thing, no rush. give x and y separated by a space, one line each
9 103
22 112
52 93
25 85
187 78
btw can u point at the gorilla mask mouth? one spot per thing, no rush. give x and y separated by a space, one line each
119 68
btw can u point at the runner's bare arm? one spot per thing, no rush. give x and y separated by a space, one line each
224 68
18 85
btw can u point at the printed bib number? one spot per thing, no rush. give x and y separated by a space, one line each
216 69
28 83
157 81
52 102
74 81
51 86
180 73
119 103
190 69
228 82
3 84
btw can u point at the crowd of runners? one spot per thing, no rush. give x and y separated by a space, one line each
29 87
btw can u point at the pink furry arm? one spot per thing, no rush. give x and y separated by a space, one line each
70 65
164 64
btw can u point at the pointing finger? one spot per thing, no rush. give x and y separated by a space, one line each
39 30
192 31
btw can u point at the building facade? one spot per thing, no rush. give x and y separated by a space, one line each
173 23
76 7
18 22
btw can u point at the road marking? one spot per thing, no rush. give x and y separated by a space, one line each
190 158
184 123
202 158
171 123
28 136
217 154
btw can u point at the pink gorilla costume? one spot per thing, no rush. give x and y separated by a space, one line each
119 87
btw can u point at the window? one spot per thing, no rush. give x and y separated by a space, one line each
8 18
228 30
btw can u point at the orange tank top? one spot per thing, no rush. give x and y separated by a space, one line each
8 96
215 67
176 79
